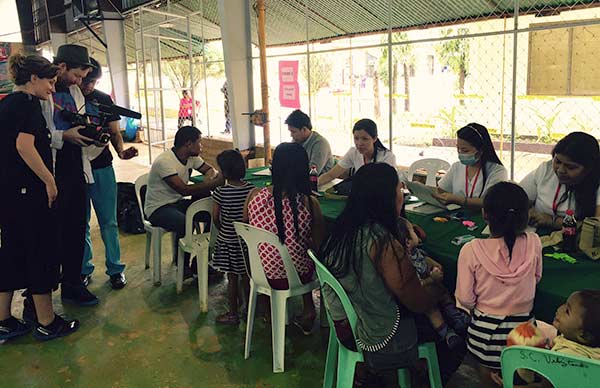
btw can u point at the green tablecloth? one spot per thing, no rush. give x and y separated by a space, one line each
331 208
559 279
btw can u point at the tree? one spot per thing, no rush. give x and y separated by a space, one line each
377 106
178 70
320 74
401 54
454 53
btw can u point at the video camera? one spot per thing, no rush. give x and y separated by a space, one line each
98 132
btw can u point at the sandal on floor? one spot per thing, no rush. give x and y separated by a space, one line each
228 318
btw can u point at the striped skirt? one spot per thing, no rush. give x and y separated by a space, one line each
228 257
487 335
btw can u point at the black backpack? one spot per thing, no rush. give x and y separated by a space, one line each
128 211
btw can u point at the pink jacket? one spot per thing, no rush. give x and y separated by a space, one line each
489 281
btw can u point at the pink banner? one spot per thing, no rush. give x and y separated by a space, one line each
289 91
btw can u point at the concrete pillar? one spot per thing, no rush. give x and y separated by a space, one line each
116 57
237 51
57 39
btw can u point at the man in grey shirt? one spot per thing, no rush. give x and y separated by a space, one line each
316 146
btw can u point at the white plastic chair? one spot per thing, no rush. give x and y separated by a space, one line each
431 165
197 245
259 285
154 234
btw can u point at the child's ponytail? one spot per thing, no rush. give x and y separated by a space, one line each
510 231
506 206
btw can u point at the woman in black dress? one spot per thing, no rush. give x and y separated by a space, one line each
27 193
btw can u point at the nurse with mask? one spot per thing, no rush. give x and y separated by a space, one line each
478 169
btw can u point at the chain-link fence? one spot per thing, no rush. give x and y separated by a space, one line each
176 60
524 69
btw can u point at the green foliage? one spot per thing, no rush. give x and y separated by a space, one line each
320 72
178 70
546 123
581 124
451 118
401 54
454 53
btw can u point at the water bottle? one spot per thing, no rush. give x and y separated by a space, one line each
569 232
314 178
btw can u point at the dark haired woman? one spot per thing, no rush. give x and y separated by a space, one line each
367 149
478 168
28 256
569 181
367 253
287 209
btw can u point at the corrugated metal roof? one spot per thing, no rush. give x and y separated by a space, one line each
287 21
329 19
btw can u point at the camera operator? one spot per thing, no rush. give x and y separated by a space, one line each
28 254
103 192
72 169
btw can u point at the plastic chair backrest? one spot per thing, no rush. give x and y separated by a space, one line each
431 165
201 205
325 277
140 183
562 370
253 237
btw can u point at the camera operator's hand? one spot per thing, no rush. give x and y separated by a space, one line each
72 135
128 153
52 192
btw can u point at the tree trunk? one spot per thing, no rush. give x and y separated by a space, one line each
377 107
461 85
406 89
394 86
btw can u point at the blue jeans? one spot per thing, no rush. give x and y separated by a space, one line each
103 194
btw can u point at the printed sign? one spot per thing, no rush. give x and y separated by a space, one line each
289 91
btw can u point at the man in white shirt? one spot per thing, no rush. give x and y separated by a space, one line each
165 204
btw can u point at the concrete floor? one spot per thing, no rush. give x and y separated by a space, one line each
146 336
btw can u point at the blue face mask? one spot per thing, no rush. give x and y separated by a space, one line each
468 159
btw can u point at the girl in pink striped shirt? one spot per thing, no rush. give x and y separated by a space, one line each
497 277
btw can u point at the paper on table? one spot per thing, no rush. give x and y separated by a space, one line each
422 208
424 193
329 185
265 172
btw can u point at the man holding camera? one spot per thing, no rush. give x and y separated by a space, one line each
103 192
71 170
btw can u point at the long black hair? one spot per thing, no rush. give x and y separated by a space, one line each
372 202
289 173
506 206
478 136
583 149
370 127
